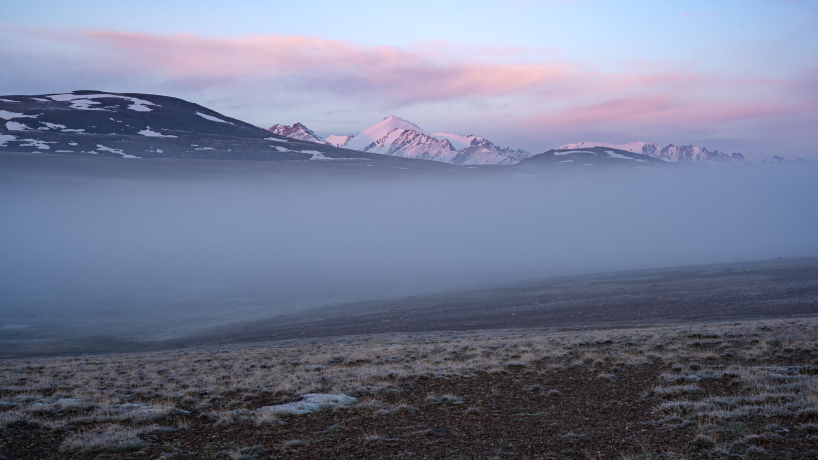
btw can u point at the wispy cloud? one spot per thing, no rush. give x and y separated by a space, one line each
537 85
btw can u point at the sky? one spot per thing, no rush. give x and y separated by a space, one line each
530 74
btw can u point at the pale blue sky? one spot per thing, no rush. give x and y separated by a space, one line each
722 40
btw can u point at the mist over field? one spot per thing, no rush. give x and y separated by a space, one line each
321 234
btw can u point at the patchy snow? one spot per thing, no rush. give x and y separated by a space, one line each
280 149
64 151
565 161
7 100
40 99
15 126
617 155
117 151
573 151
42 145
147 132
316 155
5 138
641 161
51 125
84 102
275 139
6 115
212 118
73 144
78 131
203 148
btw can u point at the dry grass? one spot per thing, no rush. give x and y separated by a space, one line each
113 438
141 390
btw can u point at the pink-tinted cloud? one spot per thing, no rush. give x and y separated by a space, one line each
536 86
330 64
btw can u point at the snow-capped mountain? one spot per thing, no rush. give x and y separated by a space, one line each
398 137
297 131
672 153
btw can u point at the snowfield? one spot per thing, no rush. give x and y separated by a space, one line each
84 102
147 132
212 118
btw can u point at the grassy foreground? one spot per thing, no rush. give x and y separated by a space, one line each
737 390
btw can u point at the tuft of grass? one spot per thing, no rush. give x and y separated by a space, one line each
473 411
114 438
292 444
432 399
703 440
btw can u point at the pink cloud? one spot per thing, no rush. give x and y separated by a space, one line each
536 86
388 71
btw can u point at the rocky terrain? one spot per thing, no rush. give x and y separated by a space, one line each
737 390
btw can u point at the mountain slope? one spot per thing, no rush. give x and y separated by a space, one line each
671 153
132 126
297 131
338 141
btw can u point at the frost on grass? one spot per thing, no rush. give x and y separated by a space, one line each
114 438
309 403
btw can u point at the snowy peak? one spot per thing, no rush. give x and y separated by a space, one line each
297 131
671 153
484 152
380 129
338 141
459 142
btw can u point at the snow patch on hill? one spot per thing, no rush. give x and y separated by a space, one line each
16 126
212 118
85 101
147 132
6 138
6 115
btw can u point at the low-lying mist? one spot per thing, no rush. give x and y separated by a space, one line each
330 239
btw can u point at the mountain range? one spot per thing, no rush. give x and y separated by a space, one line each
130 125
671 153
397 137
